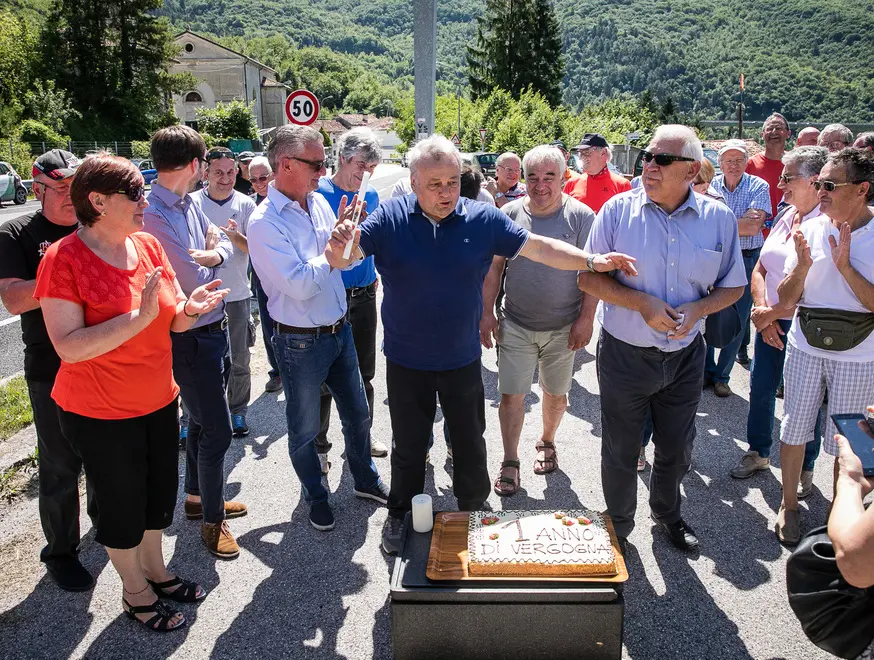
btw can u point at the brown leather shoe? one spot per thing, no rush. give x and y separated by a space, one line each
194 510
219 540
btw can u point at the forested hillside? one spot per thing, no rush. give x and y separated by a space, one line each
810 59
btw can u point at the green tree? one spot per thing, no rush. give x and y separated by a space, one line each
19 48
50 105
228 121
33 131
518 46
115 55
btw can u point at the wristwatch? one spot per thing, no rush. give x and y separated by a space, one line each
590 262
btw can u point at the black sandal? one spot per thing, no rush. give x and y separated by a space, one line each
513 483
160 622
185 593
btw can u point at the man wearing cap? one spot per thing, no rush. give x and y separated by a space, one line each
243 185
23 242
229 210
807 137
749 197
597 183
569 175
506 187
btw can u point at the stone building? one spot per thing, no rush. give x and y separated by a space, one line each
225 75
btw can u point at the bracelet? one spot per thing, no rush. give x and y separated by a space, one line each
185 311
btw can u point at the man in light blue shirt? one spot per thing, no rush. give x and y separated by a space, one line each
749 197
651 353
197 251
288 235
360 153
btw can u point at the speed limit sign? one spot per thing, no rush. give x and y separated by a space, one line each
302 107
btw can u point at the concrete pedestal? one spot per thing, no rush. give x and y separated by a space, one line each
500 620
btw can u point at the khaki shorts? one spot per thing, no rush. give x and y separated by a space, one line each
522 350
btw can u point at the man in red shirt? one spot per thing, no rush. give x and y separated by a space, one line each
769 165
597 183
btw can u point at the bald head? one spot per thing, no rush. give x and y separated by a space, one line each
808 137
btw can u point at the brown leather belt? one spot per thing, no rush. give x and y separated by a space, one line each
320 330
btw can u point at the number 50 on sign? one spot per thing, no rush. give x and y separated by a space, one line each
302 107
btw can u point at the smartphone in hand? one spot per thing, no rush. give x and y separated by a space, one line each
860 436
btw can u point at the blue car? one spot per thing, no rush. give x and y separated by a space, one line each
147 169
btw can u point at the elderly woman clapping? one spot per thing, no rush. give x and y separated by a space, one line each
110 300
831 346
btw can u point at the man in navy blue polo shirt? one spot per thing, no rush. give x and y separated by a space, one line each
433 253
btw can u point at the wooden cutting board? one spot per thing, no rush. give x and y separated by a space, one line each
448 558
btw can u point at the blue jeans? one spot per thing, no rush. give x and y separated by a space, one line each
765 375
719 372
267 324
305 362
199 367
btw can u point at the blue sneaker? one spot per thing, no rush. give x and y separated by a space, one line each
239 424
183 436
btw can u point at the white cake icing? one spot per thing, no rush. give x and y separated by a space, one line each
539 543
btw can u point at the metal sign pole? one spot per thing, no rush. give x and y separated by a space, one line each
425 62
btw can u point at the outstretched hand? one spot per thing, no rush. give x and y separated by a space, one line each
205 298
604 263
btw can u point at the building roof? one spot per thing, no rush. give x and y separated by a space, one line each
330 126
370 121
753 147
267 82
230 50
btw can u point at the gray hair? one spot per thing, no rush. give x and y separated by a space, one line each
867 140
437 148
776 115
846 135
260 161
809 160
544 155
507 155
691 144
290 141
360 141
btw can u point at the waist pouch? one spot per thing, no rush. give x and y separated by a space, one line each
835 329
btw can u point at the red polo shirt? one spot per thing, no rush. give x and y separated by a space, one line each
594 191
770 171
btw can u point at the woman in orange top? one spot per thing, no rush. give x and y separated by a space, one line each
110 300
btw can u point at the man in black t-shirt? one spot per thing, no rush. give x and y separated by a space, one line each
243 184
23 242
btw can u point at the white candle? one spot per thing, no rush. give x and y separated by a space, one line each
361 192
423 517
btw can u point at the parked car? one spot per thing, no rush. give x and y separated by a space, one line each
11 187
484 162
147 169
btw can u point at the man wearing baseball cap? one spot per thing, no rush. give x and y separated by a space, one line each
243 184
597 183
749 197
23 242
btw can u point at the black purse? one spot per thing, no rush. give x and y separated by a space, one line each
722 327
836 616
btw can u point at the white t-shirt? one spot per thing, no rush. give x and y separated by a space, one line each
235 274
826 288
402 188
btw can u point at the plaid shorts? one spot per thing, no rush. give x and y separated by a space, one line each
850 387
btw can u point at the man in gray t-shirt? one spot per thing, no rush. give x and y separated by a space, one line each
545 318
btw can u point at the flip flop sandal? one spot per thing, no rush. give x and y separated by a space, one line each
160 622
185 593
502 482
540 463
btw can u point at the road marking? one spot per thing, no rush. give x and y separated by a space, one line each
10 321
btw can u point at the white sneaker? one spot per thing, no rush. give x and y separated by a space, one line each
378 448
324 464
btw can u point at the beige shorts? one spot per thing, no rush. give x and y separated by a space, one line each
521 351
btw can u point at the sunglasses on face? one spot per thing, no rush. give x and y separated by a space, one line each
788 179
134 194
264 178
663 160
316 165
830 186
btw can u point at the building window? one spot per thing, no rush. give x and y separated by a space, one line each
189 48
193 97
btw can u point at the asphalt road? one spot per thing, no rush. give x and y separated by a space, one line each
298 593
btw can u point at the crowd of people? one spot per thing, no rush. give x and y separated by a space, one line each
131 302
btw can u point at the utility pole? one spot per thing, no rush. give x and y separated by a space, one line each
458 98
425 64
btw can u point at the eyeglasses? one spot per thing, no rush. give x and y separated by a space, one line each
788 179
134 193
511 170
663 160
264 178
317 165
830 186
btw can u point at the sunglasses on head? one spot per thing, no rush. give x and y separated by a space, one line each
830 186
134 193
663 160
218 155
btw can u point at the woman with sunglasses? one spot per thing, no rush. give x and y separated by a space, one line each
830 277
801 168
110 299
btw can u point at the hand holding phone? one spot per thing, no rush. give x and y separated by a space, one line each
858 431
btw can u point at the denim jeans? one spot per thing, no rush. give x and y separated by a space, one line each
267 324
719 372
305 362
765 375
200 365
